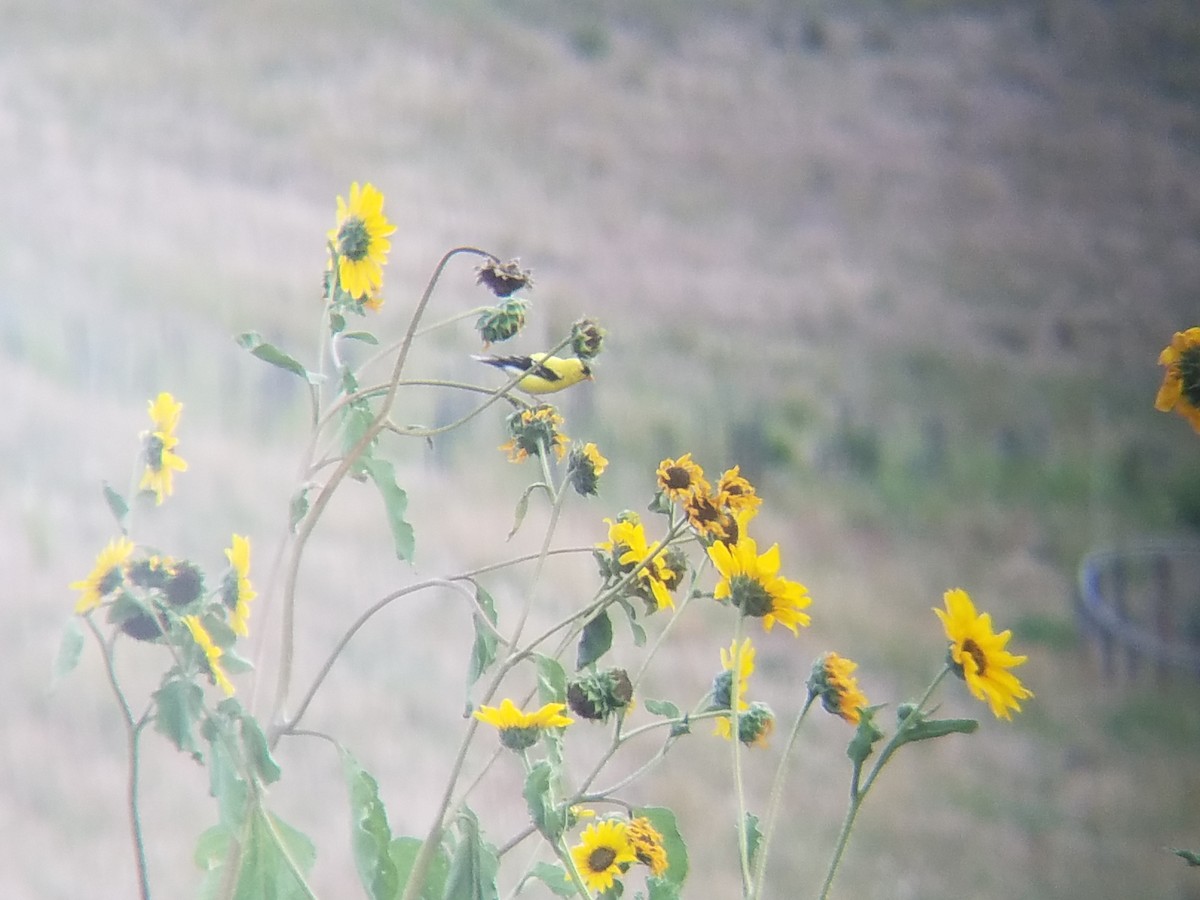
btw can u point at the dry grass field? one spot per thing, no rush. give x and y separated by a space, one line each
910 264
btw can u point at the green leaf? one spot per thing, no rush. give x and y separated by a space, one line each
923 730
269 353
555 878
661 889
552 680
595 641
371 836
178 706
1189 856
70 649
257 750
663 820
546 816
520 511
753 837
225 781
664 708
395 501
483 651
298 508
473 867
404 852
117 505
864 740
265 871
639 633
365 336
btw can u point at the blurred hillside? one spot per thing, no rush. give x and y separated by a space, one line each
910 264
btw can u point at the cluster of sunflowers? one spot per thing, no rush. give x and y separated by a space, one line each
150 597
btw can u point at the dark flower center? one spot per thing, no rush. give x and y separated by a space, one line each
1189 375
353 239
601 858
977 654
750 596
677 478
110 581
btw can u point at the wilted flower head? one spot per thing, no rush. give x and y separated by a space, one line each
499 323
597 695
647 844
532 429
504 279
587 338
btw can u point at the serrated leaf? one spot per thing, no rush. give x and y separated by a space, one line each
395 502
178 706
371 836
298 508
404 852
269 353
595 641
664 708
664 822
753 837
117 505
1189 856
365 336
547 817
554 878
258 750
70 649
552 680
483 651
473 867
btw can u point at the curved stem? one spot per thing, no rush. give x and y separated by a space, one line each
735 727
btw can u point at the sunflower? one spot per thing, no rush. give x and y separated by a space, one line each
360 242
752 583
585 465
736 493
833 681
680 478
731 684
978 656
603 850
1180 388
237 592
706 515
106 576
519 730
212 653
159 450
532 429
629 548
647 845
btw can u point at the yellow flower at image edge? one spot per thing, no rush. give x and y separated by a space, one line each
106 575
1180 390
212 653
237 592
519 730
159 451
978 655
603 849
360 241
752 583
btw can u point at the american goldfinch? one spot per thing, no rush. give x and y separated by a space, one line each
543 374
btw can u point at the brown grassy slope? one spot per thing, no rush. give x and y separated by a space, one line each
970 188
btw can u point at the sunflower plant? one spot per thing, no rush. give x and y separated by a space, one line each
530 691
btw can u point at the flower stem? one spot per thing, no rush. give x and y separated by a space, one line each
735 727
775 800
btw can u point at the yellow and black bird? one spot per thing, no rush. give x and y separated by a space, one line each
543 374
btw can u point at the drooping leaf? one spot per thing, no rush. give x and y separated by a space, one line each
274 860
269 353
546 816
70 649
639 633
753 837
178 706
866 736
552 680
519 512
595 641
257 749
298 508
395 502
473 866
371 836
225 781
117 505
1191 857
483 651
365 336
664 822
